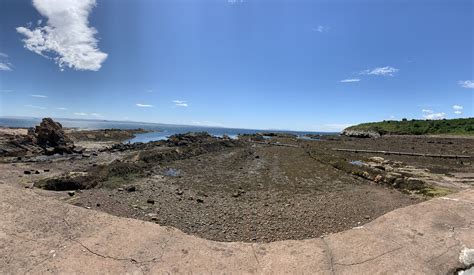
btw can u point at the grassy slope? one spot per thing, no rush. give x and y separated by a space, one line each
462 126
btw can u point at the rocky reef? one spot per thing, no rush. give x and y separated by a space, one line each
360 133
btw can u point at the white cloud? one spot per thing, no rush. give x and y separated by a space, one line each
321 29
350 80
66 35
207 123
39 96
6 91
382 71
457 109
430 114
86 114
144 105
235 1
35 107
469 84
180 103
62 108
5 66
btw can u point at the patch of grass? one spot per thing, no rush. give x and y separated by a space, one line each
461 126
435 192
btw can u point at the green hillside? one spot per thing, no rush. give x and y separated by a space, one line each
461 126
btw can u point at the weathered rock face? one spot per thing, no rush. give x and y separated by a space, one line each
360 133
50 136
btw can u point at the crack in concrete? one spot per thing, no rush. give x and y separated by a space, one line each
132 260
330 255
255 255
370 259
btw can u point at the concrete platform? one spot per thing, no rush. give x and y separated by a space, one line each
42 235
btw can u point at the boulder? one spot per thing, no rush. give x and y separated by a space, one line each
50 136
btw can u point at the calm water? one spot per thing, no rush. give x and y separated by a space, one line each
160 131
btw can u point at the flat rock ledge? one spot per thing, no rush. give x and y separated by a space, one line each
43 235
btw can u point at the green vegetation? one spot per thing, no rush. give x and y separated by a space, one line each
461 126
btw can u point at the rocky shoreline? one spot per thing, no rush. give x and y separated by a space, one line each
247 189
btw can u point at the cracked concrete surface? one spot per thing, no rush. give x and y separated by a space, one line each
43 235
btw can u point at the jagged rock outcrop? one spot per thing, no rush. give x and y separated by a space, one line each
360 133
50 136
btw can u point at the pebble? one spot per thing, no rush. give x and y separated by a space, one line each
71 193
151 201
120 189
200 200
26 172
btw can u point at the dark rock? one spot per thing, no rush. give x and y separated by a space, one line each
26 172
50 134
37 172
46 170
71 193
179 192
131 188
150 201
199 200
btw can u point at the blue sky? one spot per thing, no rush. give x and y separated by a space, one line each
299 65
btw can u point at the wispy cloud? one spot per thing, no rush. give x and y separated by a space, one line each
6 91
430 114
144 105
180 103
35 107
67 35
458 109
350 80
39 96
4 64
207 123
87 114
469 84
233 2
381 71
321 29
62 108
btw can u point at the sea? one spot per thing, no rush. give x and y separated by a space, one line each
158 131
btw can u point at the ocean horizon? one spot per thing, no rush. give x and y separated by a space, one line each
158 131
